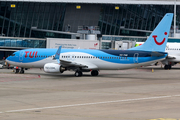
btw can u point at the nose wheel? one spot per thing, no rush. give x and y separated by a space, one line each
21 71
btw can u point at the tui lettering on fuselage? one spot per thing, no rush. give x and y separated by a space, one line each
31 54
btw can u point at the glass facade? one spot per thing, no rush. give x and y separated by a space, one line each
18 18
22 43
132 20
119 38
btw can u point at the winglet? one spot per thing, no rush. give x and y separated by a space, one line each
57 53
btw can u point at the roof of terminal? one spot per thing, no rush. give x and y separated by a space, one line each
152 2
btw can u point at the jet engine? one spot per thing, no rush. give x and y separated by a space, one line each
53 68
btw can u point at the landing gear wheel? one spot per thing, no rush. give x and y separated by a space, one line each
166 67
78 73
22 71
16 71
169 66
94 73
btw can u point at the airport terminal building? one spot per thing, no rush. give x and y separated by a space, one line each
27 23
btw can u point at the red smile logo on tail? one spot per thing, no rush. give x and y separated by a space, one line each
159 43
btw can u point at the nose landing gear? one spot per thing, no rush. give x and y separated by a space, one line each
19 70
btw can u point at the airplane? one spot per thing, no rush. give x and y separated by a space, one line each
173 50
88 60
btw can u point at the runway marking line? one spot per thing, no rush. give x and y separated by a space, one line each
85 104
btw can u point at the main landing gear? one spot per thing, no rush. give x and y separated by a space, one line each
79 73
166 67
94 73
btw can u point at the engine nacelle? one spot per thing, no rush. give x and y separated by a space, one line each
53 68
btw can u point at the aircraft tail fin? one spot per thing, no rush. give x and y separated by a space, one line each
158 38
57 55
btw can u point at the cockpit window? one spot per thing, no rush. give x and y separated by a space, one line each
13 55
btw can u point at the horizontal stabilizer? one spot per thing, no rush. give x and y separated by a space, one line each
157 54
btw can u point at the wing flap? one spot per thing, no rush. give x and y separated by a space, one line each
77 64
70 63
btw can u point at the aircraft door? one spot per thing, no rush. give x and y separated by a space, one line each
136 57
21 56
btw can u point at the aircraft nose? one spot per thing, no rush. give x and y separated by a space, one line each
7 60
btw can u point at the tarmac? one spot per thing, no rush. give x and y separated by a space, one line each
148 93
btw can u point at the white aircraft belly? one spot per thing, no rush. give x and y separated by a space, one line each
105 65
37 64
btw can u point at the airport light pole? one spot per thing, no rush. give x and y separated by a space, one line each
174 17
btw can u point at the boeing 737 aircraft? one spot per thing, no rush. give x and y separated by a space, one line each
173 50
84 60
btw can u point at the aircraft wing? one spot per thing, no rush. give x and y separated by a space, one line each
78 64
70 63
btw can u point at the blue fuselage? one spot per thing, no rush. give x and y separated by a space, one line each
101 58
